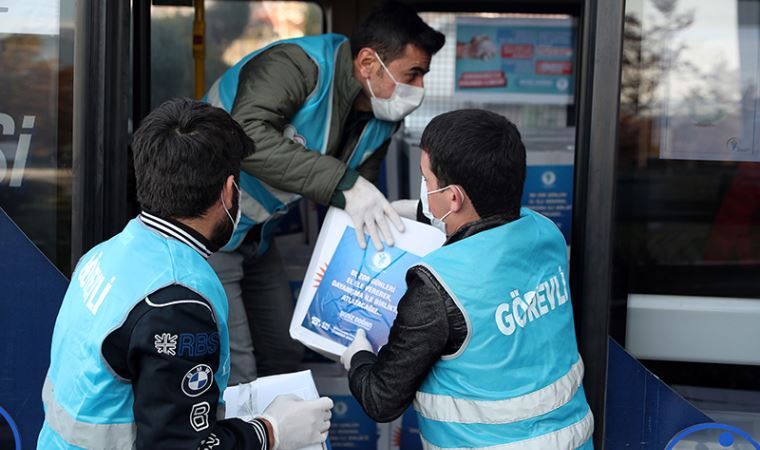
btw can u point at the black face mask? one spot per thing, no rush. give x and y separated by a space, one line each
222 232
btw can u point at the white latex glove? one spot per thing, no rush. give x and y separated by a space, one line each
360 343
369 209
298 423
406 208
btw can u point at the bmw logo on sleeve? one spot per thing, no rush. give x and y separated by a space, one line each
197 380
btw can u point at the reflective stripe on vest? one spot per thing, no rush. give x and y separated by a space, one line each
84 434
449 409
570 437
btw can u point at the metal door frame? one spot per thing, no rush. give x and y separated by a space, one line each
594 202
101 71
100 163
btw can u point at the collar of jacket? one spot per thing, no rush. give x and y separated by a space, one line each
179 231
344 79
483 224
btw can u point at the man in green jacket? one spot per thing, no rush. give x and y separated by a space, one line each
321 111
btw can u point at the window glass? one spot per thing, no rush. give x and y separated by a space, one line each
442 91
688 177
36 82
521 66
233 29
687 249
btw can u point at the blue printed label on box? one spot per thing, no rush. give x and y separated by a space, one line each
358 288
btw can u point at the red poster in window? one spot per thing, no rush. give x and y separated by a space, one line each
517 51
551 50
554 67
491 78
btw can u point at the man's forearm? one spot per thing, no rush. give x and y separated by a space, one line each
385 384
290 167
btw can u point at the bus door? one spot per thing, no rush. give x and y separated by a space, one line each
686 272
36 183
522 62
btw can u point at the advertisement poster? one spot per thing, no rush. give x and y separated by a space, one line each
515 60
347 287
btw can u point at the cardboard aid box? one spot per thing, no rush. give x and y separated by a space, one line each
347 287
351 428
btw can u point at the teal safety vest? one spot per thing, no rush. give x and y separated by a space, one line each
310 126
516 381
86 404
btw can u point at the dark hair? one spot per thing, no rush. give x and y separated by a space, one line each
390 27
482 152
184 151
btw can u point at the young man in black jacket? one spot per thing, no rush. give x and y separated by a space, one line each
484 341
140 351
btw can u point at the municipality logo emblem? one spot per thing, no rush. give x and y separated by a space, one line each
548 178
197 380
381 260
340 408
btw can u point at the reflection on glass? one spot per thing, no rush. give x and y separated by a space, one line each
688 189
514 65
689 91
440 83
36 78
233 29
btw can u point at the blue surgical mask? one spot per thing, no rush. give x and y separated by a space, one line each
438 223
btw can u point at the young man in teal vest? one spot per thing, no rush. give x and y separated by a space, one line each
484 342
321 111
140 353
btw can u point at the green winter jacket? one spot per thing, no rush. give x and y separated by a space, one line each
273 86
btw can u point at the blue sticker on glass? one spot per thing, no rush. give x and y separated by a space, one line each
350 427
9 435
549 190
708 434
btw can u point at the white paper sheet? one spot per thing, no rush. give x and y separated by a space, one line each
246 401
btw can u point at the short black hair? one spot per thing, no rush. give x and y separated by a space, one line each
390 27
481 151
184 151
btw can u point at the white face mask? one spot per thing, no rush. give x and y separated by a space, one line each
236 220
404 99
438 223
